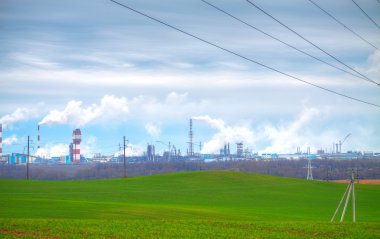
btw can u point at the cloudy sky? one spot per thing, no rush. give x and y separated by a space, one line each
98 66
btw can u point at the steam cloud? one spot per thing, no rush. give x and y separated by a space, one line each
153 130
76 114
281 139
225 134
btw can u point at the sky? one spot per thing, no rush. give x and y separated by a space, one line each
111 72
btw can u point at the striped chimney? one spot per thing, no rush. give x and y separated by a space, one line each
77 138
1 140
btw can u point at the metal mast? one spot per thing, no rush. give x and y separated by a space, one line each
309 170
191 146
349 190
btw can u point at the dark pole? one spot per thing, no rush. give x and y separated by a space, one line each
125 166
27 162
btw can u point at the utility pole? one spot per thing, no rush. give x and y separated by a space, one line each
27 162
125 163
349 190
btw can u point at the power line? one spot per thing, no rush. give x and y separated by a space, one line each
366 14
244 57
342 24
275 38
316 46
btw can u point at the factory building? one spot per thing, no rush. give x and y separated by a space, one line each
150 152
239 149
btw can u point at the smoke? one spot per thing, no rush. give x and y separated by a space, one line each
153 130
53 151
225 134
21 114
285 138
10 140
215 123
110 108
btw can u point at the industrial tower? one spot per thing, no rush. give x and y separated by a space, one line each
38 137
77 138
1 140
191 146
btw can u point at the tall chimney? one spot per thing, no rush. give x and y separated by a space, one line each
1 140
77 138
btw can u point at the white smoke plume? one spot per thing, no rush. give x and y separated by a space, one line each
110 108
53 151
285 138
280 139
21 114
153 130
225 134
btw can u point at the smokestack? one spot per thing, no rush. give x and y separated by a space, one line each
191 138
1 140
38 137
77 138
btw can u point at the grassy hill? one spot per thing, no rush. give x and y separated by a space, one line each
217 204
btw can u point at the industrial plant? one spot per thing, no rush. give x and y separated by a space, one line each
230 151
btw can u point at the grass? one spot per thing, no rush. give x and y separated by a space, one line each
216 204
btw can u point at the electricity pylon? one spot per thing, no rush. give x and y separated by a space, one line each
349 190
309 170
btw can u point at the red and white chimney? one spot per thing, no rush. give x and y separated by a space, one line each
77 138
1 140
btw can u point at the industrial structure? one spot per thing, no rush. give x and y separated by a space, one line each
150 152
239 149
38 137
174 154
77 139
191 146
1 140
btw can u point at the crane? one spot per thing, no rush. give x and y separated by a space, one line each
342 141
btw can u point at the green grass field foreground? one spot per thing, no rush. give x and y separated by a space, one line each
214 204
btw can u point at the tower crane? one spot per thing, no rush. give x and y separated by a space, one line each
342 141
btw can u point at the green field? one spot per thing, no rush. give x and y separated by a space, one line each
216 204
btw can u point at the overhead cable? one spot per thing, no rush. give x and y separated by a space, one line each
342 24
277 39
244 57
366 14
313 44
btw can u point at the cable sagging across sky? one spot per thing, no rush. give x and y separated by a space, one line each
342 24
277 39
313 44
370 18
244 57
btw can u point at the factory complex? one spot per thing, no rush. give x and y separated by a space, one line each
230 151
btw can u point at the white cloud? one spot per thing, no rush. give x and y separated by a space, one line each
10 140
153 130
110 108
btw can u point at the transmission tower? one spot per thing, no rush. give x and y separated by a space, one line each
309 170
349 190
